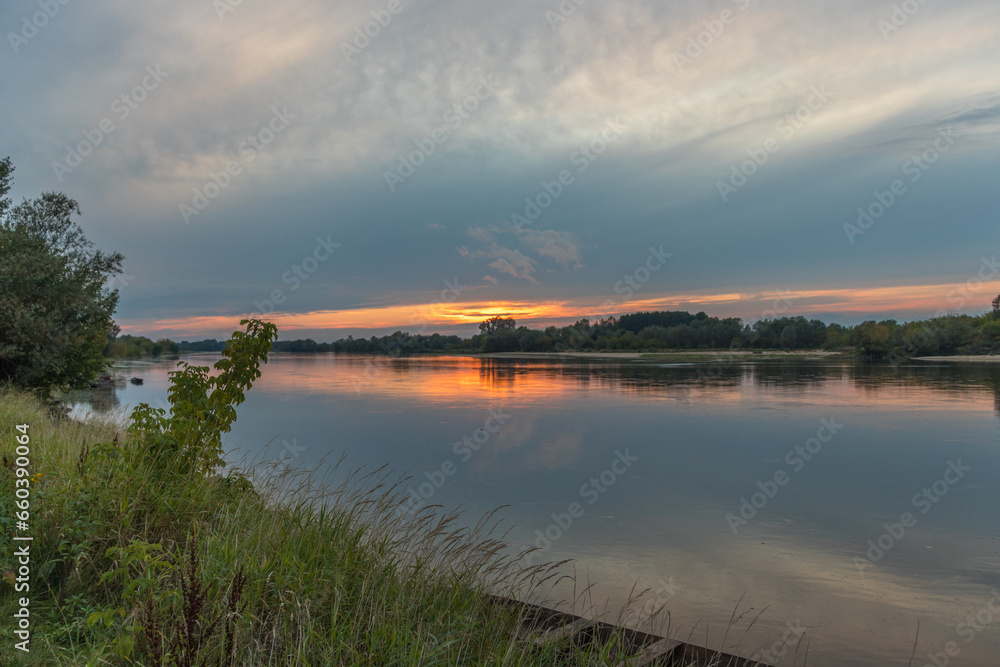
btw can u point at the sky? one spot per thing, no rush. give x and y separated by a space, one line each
364 167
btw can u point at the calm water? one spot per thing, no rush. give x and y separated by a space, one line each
631 468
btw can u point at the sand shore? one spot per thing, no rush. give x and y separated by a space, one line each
679 355
973 358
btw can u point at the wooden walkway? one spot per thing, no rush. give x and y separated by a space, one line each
551 626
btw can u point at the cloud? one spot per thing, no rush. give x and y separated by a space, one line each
356 118
979 117
973 120
514 263
563 247
482 235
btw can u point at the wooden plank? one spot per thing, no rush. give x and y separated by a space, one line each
562 632
652 653
562 625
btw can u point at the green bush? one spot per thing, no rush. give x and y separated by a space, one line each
203 407
144 556
55 311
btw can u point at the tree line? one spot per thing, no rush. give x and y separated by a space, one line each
666 330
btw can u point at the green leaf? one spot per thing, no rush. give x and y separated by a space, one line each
124 645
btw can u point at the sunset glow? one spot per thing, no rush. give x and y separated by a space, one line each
671 304
424 318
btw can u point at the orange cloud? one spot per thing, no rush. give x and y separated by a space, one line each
383 317
750 305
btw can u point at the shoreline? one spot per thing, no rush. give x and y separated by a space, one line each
255 538
692 356
679 355
964 358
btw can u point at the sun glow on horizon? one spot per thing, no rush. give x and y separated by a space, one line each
750 306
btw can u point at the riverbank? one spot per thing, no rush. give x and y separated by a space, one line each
113 553
674 356
964 358
125 559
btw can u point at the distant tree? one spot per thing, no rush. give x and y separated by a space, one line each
55 311
991 334
996 305
209 345
788 338
6 169
165 346
111 338
497 325
873 338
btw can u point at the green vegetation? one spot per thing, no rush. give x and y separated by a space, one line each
55 311
134 347
497 325
680 331
144 555
948 335
662 331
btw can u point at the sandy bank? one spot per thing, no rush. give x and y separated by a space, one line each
679 355
974 358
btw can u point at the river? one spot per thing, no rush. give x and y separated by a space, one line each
837 504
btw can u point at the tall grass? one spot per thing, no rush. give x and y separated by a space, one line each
134 569
212 570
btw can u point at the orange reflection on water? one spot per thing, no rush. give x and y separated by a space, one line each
441 381
461 381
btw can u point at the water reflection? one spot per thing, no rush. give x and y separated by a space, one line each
706 436
440 378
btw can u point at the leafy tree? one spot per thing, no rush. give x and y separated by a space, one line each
165 346
496 325
55 311
6 169
996 305
874 338
636 322
789 337
684 331
133 347
203 407
991 333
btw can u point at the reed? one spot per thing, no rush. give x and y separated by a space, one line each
289 569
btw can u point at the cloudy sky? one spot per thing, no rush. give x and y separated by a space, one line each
396 164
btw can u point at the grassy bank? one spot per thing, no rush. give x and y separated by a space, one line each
189 570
